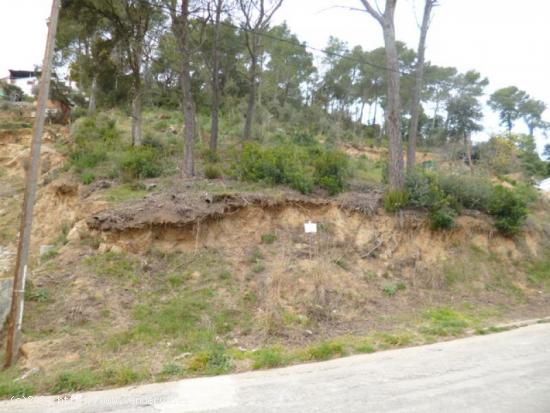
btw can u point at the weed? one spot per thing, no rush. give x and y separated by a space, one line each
387 340
258 268
395 200
72 381
342 264
391 289
113 265
211 362
40 295
326 350
538 272
120 376
11 388
87 177
269 238
445 322
172 370
267 358
364 346
124 193
255 256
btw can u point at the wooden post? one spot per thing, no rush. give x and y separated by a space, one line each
21 266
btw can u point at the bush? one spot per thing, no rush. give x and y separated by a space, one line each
93 136
332 171
443 218
444 195
212 172
471 192
300 167
98 129
424 190
140 163
395 200
509 210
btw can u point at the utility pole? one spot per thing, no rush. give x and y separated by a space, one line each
21 266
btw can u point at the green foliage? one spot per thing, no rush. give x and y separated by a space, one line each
212 172
269 238
300 167
140 163
445 322
331 171
73 381
469 191
267 358
113 265
509 210
94 137
11 387
212 361
538 271
391 289
445 194
38 295
276 165
87 177
443 218
326 350
395 200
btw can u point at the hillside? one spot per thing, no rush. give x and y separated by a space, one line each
140 280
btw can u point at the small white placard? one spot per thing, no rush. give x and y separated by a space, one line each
310 227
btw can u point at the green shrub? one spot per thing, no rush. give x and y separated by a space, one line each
326 350
213 361
391 289
267 358
444 195
509 210
88 156
94 137
471 192
331 171
395 200
140 163
212 172
98 128
269 238
424 190
443 218
87 177
71 381
16 390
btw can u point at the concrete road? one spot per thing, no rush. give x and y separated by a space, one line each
505 372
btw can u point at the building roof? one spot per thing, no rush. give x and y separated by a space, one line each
23 74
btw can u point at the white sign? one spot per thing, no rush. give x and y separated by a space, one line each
310 228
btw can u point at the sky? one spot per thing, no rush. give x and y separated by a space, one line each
505 40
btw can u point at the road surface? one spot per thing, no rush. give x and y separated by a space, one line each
504 372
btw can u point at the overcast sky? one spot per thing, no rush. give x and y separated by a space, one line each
506 40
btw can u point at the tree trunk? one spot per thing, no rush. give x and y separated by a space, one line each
434 119
214 130
393 115
251 109
468 147
415 109
189 112
93 94
136 114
